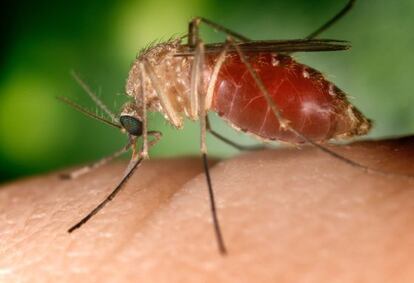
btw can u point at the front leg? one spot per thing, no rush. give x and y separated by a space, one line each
88 168
165 100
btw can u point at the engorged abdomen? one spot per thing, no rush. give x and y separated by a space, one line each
314 106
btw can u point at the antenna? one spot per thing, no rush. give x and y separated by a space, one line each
87 112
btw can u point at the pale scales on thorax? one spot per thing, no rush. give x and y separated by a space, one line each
172 72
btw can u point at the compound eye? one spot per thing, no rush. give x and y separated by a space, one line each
131 124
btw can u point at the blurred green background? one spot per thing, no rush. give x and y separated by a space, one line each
43 40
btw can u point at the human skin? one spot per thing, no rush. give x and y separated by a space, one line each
287 215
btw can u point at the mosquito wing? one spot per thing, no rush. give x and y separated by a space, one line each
283 46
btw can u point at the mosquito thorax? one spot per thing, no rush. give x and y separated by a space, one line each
171 74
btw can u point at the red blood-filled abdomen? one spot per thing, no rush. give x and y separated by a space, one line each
313 105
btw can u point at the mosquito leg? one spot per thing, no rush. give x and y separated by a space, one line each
230 142
198 83
134 163
144 114
193 26
196 76
217 229
88 168
157 136
333 20
165 100
209 98
212 83
193 29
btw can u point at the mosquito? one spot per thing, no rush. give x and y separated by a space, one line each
255 86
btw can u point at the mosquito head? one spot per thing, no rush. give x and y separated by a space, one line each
130 120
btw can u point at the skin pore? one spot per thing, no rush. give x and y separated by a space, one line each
287 215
